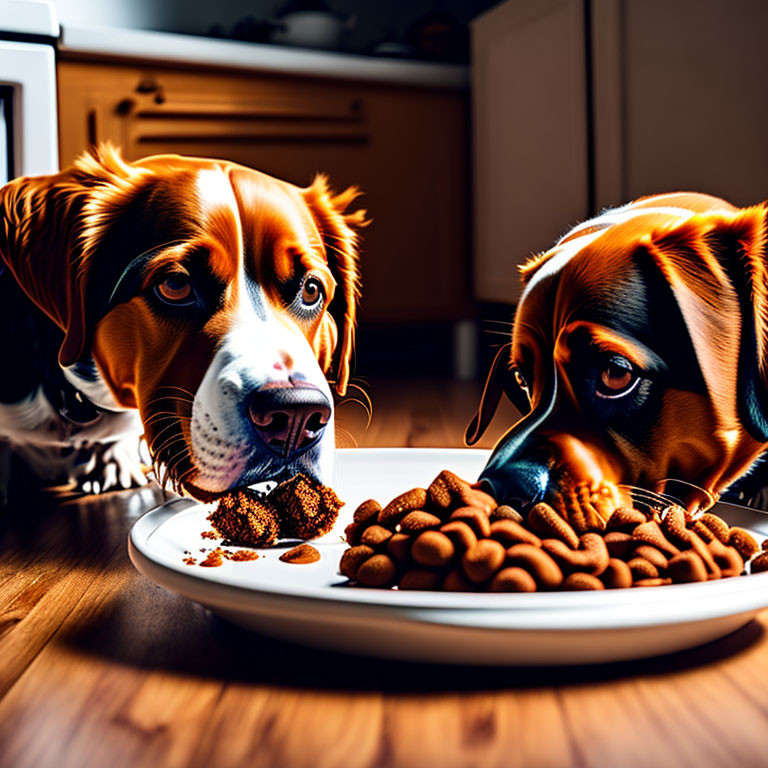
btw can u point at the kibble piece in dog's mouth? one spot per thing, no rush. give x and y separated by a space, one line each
297 508
454 537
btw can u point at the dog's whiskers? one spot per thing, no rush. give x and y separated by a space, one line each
169 399
651 499
184 390
174 422
345 433
167 443
366 404
160 415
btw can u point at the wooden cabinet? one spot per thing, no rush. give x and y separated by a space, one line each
405 147
585 104
530 136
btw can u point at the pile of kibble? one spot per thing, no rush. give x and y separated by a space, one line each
454 537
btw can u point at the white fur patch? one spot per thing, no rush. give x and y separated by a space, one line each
250 355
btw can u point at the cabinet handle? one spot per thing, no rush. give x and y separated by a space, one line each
147 85
181 109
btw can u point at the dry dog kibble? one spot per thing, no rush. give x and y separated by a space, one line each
652 582
642 568
366 511
652 555
483 560
475 518
687 567
727 558
399 507
545 571
473 497
650 533
375 536
445 489
377 571
544 520
513 580
418 520
617 575
717 525
619 544
453 536
673 525
432 548
456 581
583 581
743 542
590 557
462 536
624 519
353 558
399 547
703 551
353 532
419 578
509 532
504 512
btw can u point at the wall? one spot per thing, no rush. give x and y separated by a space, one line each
197 16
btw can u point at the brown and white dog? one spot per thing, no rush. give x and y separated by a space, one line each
639 354
199 302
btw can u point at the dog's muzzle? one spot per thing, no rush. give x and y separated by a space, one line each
289 417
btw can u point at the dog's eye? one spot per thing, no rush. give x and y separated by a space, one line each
520 380
175 289
311 292
616 377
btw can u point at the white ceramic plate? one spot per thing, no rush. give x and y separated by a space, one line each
310 604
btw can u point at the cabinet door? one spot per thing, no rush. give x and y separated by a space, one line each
680 99
530 136
405 148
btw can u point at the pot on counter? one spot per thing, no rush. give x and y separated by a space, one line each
310 25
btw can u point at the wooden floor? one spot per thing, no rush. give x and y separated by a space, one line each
99 667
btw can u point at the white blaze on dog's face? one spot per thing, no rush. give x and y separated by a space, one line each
264 348
213 298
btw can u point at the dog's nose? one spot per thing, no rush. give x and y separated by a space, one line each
289 416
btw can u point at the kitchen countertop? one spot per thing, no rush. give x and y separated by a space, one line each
165 47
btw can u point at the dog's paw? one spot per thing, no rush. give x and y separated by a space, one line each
111 467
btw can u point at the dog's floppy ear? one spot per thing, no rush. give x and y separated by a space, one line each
51 226
338 230
500 382
715 265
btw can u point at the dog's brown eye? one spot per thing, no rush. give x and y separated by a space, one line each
175 289
617 377
311 292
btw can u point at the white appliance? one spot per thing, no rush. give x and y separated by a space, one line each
29 30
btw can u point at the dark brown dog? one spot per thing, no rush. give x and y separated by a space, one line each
639 354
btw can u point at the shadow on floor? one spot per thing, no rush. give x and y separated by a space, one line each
150 628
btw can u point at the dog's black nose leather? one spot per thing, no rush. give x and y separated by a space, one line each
289 416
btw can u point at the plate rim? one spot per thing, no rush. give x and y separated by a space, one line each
673 604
